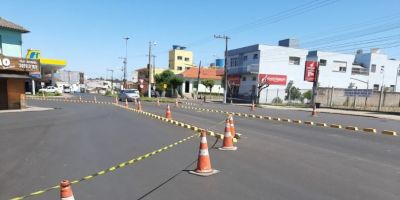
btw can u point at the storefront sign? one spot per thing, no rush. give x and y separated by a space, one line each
18 64
234 80
310 71
273 79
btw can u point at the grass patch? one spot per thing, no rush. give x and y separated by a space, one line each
162 100
48 94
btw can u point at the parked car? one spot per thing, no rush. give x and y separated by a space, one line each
50 89
129 95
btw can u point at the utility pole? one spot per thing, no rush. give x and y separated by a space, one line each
149 70
112 79
198 80
125 61
226 38
154 66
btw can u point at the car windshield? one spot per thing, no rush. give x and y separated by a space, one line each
130 91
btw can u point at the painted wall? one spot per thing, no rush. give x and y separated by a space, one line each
11 43
174 63
192 87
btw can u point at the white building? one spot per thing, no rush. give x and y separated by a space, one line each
191 75
363 70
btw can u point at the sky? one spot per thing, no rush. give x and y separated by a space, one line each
89 34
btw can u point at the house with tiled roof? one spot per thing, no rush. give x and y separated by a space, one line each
191 76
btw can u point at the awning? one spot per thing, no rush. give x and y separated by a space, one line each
15 76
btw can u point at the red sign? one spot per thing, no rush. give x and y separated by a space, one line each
273 79
234 80
310 71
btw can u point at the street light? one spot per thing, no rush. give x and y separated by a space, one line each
150 74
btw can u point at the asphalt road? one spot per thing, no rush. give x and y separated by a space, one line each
344 120
274 161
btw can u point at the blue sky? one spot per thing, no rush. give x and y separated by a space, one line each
88 34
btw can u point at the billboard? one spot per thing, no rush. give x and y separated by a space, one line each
310 71
273 79
19 64
358 92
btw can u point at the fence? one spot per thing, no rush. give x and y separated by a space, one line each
378 101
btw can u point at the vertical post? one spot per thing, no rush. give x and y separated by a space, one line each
33 87
331 102
380 99
355 99
225 64
225 69
315 87
149 72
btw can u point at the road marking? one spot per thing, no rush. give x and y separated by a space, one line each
392 133
111 169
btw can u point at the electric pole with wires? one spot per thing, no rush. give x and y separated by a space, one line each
225 79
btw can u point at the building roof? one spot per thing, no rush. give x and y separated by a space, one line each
11 26
205 73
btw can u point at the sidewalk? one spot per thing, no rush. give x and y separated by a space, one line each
28 109
338 111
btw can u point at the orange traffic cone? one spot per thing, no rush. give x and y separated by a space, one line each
203 161
228 140
168 113
94 99
233 131
158 102
176 103
66 190
126 103
80 99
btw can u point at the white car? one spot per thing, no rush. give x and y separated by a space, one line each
129 95
51 89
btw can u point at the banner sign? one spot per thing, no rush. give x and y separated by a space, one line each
358 92
273 79
310 71
19 64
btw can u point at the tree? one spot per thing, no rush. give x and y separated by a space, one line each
175 82
163 78
307 94
208 84
292 93
261 85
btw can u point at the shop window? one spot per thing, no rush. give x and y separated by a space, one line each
373 68
179 57
294 60
376 86
322 62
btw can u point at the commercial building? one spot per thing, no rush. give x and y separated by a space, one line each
285 62
180 59
14 70
50 69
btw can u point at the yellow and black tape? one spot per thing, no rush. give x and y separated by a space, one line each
318 124
111 169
